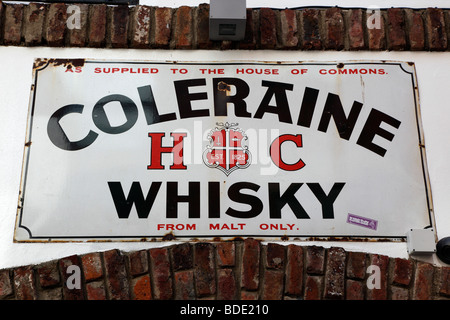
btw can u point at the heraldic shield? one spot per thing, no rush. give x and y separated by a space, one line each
226 150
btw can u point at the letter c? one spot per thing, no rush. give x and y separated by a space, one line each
57 135
275 152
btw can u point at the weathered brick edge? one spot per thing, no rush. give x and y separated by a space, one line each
238 270
149 27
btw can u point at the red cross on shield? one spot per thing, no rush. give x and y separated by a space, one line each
226 151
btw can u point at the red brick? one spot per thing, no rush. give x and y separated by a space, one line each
250 264
182 257
249 295
13 19
97 25
313 288
77 37
402 272
183 28
275 256
204 269
226 285
34 23
334 24
272 288
444 285
416 31
95 291
294 270
140 288
356 265
162 278
383 263
226 253
138 262
118 28
423 282
163 27
6 288
435 29
184 285
311 33
140 27
315 259
24 285
396 29
202 27
268 28
356 30
377 36
354 290
92 266
48 274
335 274
288 29
116 275
56 24
64 263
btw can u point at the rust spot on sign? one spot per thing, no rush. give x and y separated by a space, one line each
68 63
223 86
168 237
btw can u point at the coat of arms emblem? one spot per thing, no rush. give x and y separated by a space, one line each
226 150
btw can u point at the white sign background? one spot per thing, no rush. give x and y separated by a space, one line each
65 194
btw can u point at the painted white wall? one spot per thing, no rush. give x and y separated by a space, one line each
433 70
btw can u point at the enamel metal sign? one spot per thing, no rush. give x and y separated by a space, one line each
141 151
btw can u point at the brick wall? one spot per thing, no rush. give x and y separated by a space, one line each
239 270
243 270
103 26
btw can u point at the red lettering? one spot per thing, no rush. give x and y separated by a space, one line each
225 226
179 227
212 71
275 152
257 71
74 69
157 150
299 71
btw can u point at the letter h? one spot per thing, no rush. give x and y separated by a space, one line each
157 150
